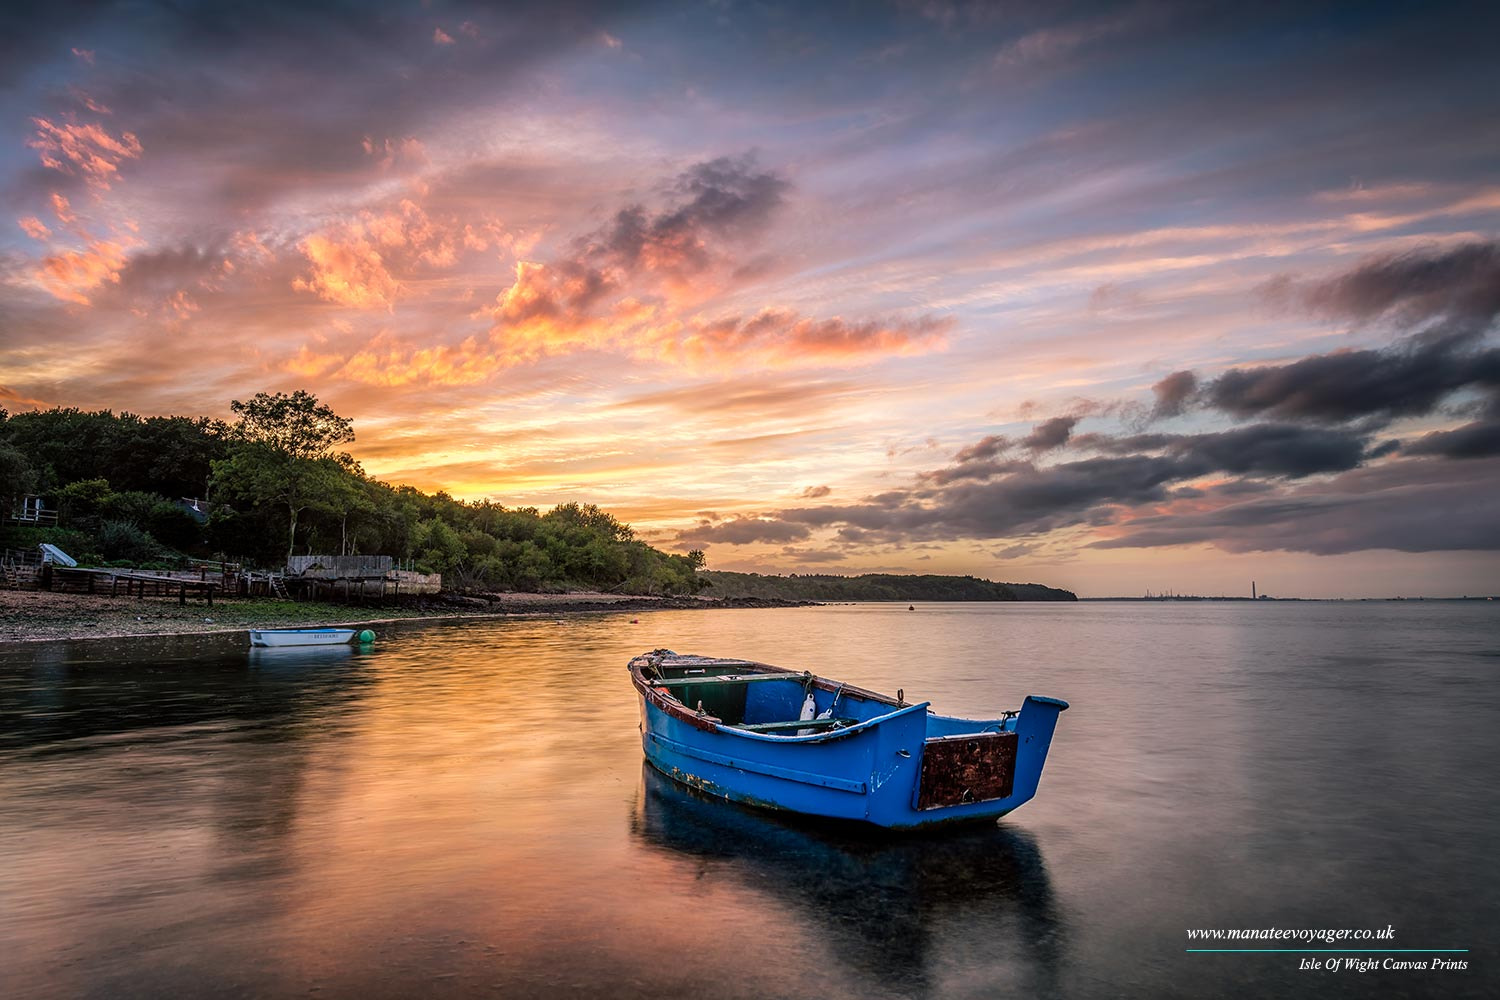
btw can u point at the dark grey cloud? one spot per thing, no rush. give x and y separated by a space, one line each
1024 499
1049 434
724 198
1410 378
743 531
1270 450
1450 298
1017 551
1128 444
1140 475
728 196
1461 283
1480 439
1039 499
984 448
1425 505
1173 393
1146 499
1243 487
976 469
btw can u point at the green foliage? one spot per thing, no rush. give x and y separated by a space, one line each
295 425
169 455
17 477
280 485
84 498
439 549
123 541
78 544
282 454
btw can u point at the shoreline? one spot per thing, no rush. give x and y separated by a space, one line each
34 616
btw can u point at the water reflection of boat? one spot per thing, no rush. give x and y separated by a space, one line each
775 738
282 657
67 696
885 907
284 654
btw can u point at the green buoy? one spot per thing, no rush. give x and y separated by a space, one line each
367 636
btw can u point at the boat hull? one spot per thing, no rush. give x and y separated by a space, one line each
873 771
300 636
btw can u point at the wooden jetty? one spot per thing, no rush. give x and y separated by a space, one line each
136 583
347 578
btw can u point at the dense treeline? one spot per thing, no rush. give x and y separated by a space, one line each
876 587
274 483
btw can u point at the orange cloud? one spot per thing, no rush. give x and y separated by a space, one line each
349 272
441 37
790 339
33 227
309 364
566 306
182 304
383 362
87 150
62 209
249 244
69 276
352 261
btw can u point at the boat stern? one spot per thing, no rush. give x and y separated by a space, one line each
975 770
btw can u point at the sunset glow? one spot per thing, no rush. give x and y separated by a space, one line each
1111 298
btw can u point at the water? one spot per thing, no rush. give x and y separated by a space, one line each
462 811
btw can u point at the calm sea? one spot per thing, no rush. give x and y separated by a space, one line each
462 811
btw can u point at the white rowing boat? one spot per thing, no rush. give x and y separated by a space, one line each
300 636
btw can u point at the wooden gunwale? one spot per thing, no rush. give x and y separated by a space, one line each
654 689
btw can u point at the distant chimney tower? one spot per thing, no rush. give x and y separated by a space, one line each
1252 590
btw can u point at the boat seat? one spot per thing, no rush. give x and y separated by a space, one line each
776 727
721 679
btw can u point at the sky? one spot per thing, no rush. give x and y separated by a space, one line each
1119 298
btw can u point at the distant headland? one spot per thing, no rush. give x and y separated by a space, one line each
873 587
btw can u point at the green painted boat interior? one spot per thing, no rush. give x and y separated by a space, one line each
765 703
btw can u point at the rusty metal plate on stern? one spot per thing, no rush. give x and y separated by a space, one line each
961 769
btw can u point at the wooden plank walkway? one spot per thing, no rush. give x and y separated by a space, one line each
91 582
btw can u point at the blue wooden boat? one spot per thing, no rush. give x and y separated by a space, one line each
789 740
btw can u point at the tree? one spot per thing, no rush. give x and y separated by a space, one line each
282 451
296 425
17 478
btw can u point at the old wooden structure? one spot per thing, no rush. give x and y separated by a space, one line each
137 583
355 578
